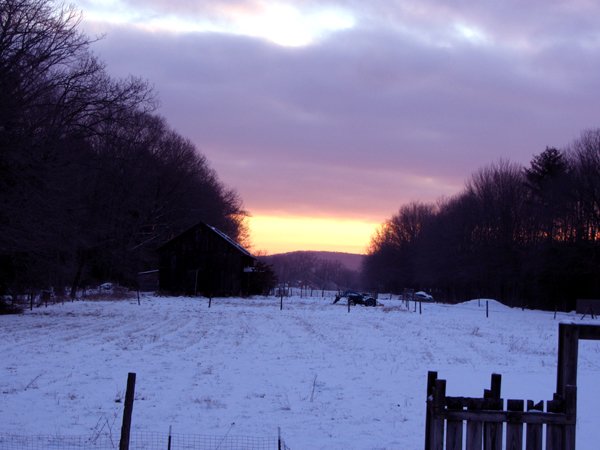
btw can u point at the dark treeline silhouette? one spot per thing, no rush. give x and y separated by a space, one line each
528 236
91 180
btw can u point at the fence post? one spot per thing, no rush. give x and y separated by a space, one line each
127 413
454 428
492 432
514 430
554 432
278 438
431 377
534 430
571 412
568 346
437 425
475 427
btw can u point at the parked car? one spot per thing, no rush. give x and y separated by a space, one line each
423 296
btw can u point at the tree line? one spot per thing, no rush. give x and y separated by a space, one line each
528 236
92 180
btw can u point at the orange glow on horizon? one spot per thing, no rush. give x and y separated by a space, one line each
275 234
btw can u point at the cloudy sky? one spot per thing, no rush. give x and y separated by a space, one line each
326 116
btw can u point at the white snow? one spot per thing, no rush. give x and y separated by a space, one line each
328 378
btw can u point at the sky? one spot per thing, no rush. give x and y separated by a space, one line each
326 116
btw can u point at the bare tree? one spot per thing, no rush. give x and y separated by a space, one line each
392 253
90 181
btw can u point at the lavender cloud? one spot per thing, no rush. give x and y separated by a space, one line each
404 105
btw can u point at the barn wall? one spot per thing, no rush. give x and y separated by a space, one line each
200 261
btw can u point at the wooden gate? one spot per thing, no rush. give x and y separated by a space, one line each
491 423
482 421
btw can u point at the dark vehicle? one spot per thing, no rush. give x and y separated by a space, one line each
355 298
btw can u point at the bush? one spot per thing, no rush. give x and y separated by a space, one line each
9 308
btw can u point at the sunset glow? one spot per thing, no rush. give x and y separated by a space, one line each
284 234
280 23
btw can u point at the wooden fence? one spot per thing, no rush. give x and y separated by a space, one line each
490 423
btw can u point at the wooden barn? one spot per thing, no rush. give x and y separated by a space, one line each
205 261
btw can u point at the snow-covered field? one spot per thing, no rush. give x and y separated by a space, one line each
329 378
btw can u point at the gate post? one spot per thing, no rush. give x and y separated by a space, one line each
438 423
568 347
571 412
431 377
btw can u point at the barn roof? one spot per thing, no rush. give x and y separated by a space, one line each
215 230
231 241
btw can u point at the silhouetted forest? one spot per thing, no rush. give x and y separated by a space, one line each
91 180
523 235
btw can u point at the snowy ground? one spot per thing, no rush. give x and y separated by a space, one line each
329 378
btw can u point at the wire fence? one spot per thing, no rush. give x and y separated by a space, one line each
141 441
154 440
47 442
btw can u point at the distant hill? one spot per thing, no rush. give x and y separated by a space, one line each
351 261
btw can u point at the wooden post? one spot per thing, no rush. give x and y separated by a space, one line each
348 304
554 433
571 412
169 440
474 430
279 447
514 430
127 413
496 385
492 432
568 345
281 302
431 377
437 424
533 441
209 300
487 309
420 309
454 428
